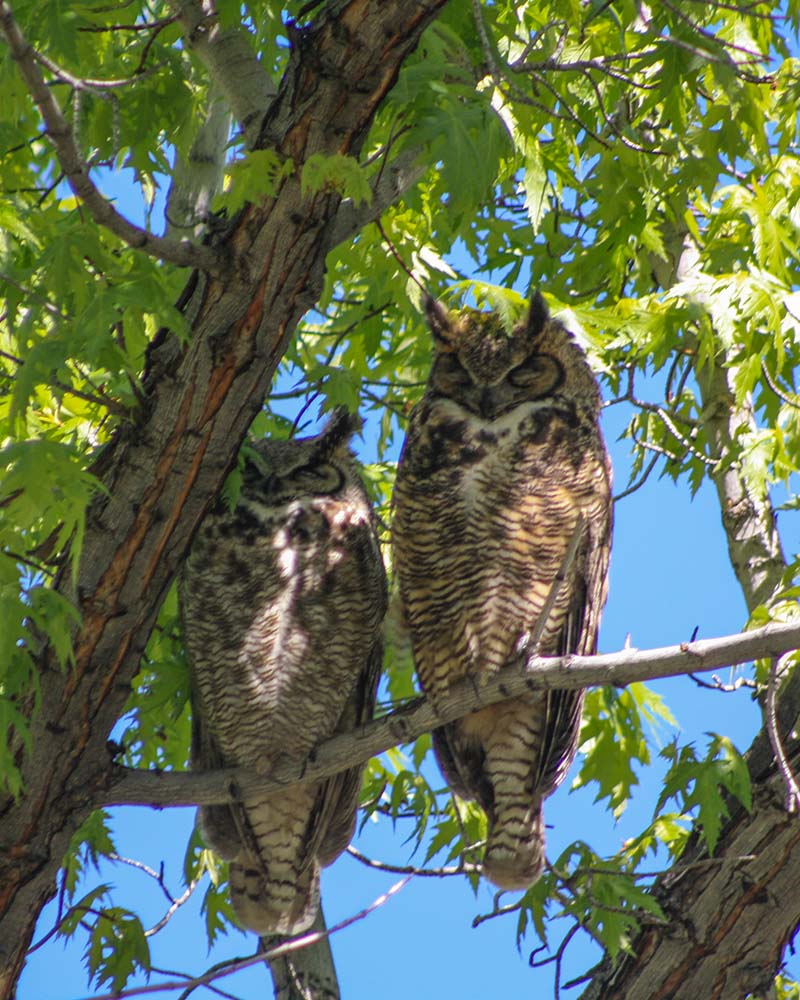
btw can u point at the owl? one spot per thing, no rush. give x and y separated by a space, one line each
503 470
282 602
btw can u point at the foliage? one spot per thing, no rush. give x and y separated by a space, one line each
573 147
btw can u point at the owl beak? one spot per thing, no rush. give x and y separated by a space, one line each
487 403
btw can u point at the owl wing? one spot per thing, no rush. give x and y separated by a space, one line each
339 795
462 761
578 635
221 825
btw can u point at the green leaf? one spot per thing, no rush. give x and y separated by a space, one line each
91 841
117 948
338 172
256 176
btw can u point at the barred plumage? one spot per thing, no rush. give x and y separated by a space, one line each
282 601
502 460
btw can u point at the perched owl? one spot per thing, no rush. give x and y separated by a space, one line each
503 463
282 602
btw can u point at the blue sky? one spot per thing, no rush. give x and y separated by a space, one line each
670 574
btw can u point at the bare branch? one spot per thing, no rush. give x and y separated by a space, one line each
719 685
142 867
76 169
498 911
792 789
176 904
132 787
391 184
382 866
197 176
639 482
789 400
231 63
87 83
294 944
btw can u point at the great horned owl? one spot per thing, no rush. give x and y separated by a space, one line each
503 463
282 602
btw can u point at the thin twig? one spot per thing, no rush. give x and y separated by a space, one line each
85 83
174 907
396 254
463 869
142 867
498 911
295 944
719 685
210 986
639 482
792 789
777 390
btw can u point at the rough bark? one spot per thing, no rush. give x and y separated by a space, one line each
306 974
728 923
162 473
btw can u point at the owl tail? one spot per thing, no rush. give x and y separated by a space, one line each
269 906
515 847
274 880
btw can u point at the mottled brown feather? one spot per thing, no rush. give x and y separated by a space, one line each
502 458
282 601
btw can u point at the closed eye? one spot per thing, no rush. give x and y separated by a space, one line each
536 371
456 374
322 477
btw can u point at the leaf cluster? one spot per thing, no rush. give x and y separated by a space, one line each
637 163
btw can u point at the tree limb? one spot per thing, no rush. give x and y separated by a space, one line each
231 63
76 169
131 787
729 925
197 177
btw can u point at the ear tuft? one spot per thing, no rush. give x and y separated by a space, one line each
438 320
340 427
538 315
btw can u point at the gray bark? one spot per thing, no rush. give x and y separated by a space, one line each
129 787
197 178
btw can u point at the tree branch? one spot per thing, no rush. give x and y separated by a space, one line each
231 64
132 787
202 396
76 169
197 177
391 184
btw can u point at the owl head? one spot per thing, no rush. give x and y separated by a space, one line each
490 371
322 465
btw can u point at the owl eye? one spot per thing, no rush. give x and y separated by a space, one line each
539 371
456 373
322 477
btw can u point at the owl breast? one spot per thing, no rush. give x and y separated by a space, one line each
295 587
474 586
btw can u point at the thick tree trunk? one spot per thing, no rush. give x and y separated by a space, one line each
162 473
